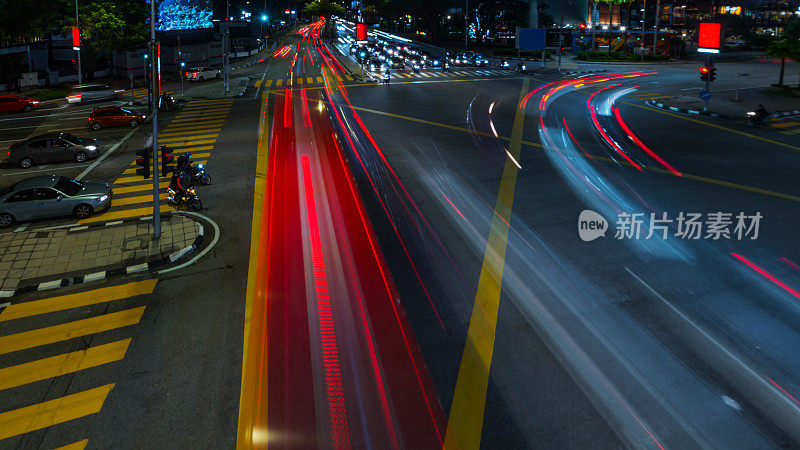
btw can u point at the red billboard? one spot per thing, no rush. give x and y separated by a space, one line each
76 38
361 32
709 37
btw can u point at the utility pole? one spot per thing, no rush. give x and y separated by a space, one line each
80 74
655 32
225 46
561 35
466 24
154 82
644 16
594 26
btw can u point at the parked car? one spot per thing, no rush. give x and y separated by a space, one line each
16 103
202 73
52 196
52 147
91 92
115 116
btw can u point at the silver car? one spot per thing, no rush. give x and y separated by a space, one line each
91 92
52 196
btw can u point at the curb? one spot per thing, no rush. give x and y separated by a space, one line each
692 112
624 63
147 266
582 72
785 114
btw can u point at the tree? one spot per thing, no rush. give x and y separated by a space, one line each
108 25
782 48
324 8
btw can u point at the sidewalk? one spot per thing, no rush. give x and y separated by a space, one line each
39 259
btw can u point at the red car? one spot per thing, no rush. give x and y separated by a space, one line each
15 103
115 116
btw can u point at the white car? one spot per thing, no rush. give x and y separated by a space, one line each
202 73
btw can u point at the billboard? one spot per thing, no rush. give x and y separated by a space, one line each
184 14
709 37
530 38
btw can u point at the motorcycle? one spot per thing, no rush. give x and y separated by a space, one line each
504 63
415 68
168 101
521 68
188 198
199 175
386 77
753 119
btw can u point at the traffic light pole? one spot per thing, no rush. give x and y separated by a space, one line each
80 75
154 89
710 65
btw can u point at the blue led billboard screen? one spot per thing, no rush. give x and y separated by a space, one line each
184 15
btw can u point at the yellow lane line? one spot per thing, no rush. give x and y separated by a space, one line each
319 80
137 188
80 445
55 366
52 412
257 84
115 214
268 83
784 124
198 120
203 112
469 399
251 430
69 330
69 301
279 83
222 101
309 80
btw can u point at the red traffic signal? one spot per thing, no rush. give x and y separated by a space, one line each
704 71
582 26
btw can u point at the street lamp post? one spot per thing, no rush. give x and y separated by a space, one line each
80 74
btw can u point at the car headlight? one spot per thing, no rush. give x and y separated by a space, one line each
103 198
91 147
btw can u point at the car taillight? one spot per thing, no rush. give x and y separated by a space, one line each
75 96
9 153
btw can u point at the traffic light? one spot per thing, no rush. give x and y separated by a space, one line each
704 71
143 161
166 160
712 74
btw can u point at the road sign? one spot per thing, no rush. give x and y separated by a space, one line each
704 95
530 38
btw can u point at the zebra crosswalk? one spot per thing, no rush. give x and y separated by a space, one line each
398 75
68 346
786 125
194 130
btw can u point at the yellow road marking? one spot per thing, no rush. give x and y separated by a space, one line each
268 83
187 120
219 101
69 330
201 109
279 83
115 214
197 130
298 81
253 392
55 366
791 131
309 80
69 301
784 124
205 124
138 199
187 142
52 412
469 399
137 188
190 137
319 80
80 445
257 84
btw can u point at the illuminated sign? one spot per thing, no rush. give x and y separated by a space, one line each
709 37
76 39
361 32
735 10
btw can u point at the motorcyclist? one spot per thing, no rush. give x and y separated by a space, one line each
761 113
180 182
183 162
386 76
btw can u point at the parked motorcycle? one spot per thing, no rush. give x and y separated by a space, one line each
188 198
